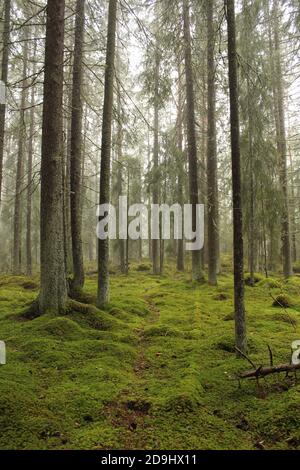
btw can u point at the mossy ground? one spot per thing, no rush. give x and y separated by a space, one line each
156 370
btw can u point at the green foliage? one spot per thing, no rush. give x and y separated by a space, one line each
155 370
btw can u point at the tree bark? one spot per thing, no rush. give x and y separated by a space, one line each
120 134
4 76
53 293
103 245
212 182
191 137
17 247
155 193
29 178
240 315
76 151
180 165
282 150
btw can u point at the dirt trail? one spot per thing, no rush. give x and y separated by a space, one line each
130 412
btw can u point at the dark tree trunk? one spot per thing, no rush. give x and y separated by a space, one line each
191 136
240 315
76 151
103 245
282 150
17 250
67 188
53 294
180 165
120 133
155 176
29 178
212 182
4 74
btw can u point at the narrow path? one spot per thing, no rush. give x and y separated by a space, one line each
129 413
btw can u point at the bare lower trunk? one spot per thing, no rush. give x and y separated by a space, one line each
17 250
191 137
282 150
53 293
240 316
180 165
155 195
29 181
212 182
76 151
103 245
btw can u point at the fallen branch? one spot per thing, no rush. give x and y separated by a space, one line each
264 371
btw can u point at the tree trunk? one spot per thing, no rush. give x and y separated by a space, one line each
155 175
76 151
212 182
4 74
53 294
120 133
29 177
17 250
240 315
191 137
180 165
103 245
282 150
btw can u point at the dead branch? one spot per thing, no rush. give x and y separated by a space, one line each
264 371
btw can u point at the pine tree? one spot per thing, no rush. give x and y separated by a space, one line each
240 316
53 292
76 151
103 245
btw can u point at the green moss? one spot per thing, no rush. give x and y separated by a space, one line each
155 370
283 301
257 278
270 283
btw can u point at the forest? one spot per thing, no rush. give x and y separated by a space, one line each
150 225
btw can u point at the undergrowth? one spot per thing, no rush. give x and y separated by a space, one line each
156 370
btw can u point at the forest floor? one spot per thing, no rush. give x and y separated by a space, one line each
156 370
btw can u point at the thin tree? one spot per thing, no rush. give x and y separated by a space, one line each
239 288
120 165
180 164
76 151
103 245
17 244
29 175
4 76
191 137
155 186
282 149
53 293
212 183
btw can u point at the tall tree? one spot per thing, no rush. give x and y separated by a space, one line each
180 164
191 137
17 248
212 183
155 186
53 293
282 148
120 164
103 245
4 76
76 150
29 175
240 314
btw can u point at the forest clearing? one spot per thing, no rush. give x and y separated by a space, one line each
149 226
